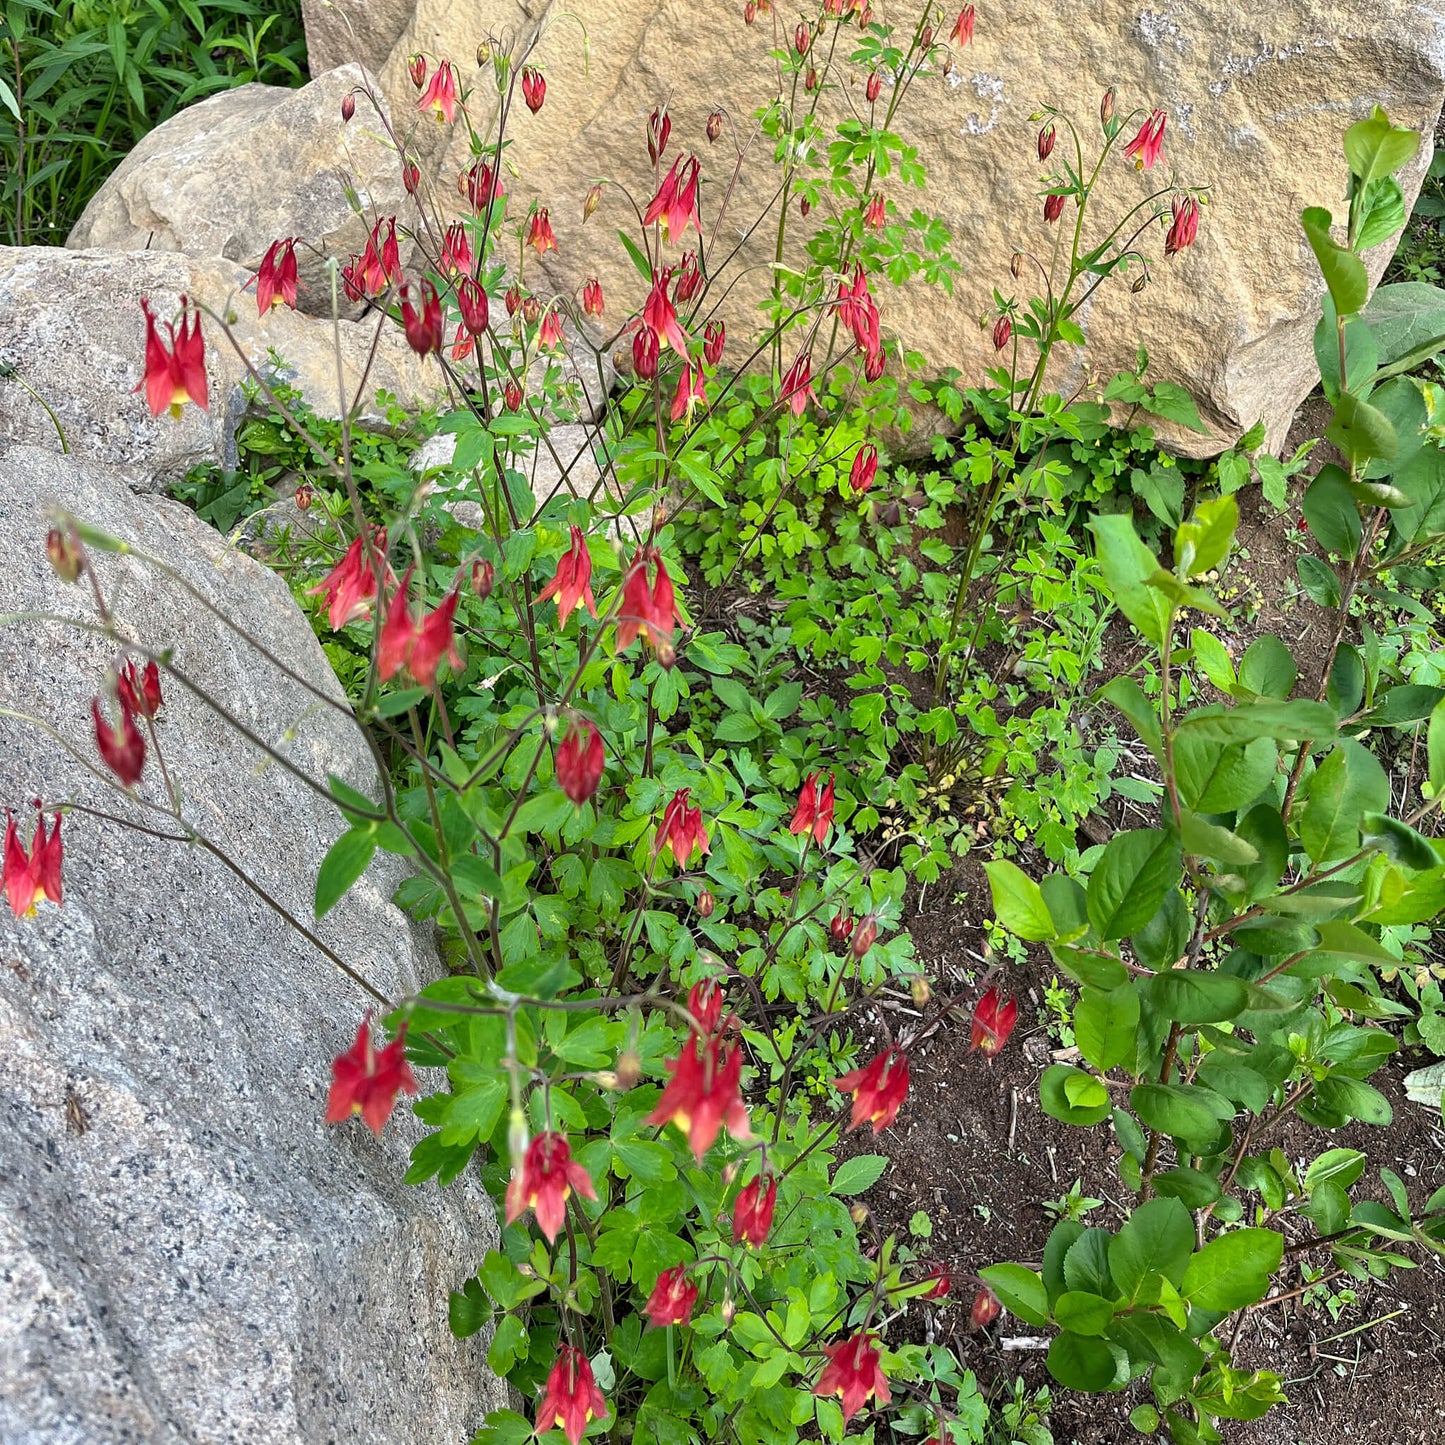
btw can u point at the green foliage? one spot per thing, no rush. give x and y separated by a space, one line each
81 83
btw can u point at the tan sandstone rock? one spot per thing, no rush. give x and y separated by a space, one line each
232 174
1258 99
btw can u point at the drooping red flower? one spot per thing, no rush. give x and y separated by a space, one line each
659 127
689 394
421 316
571 1400
858 311
123 749
873 364
962 31
480 186
675 204
672 1298
942 1283
801 37
472 303
367 1080
440 96
174 377
878 1089
659 314
985 1308
540 237
379 264
551 337
1185 226
689 277
573 580
534 88
592 302
276 280
753 1211
139 690
681 829
705 1004
28 878
411 177
545 1182
853 1372
797 389
702 1095
649 610
512 397
714 337
1147 146
483 576
876 214
419 646
874 86
840 930
1053 207
993 1022
864 469
456 257
351 585
1003 330
1047 136
580 760
814 812
645 352
463 344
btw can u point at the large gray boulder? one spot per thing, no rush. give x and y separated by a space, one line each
72 338
186 1252
233 173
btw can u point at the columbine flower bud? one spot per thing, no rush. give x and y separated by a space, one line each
864 938
531 310
513 396
1053 208
484 54
985 1308
513 299
801 38
728 1309
1003 329
303 498
1016 266
926 39
416 68
629 1070
919 991
1139 282
65 553
518 1138
594 199
411 177
714 125
804 206
348 107
841 928
1106 106
705 904
810 81
730 1172
874 88
483 577
1046 141
858 1214
750 13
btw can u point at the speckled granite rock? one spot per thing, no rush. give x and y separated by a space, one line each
186 1252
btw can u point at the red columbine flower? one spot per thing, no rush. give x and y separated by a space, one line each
854 1373
702 1094
864 469
512 398
456 257
941 1283
351 585
531 310
379 263
579 761
675 204
463 344
651 611
993 1022
645 351
122 750
858 311
440 97
873 364
417 646
963 27
28 879
592 303
1047 137
572 1398
472 303
689 277
814 812
985 1308
659 127
681 829
798 385
876 214
139 691
534 88
705 998
545 1182
689 394
366 1081
422 322
540 237
672 1298
659 315
1003 329
174 377
1053 208
480 186
714 337
573 580
1145 148
753 1211
878 1090
551 337
276 280
1185 227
